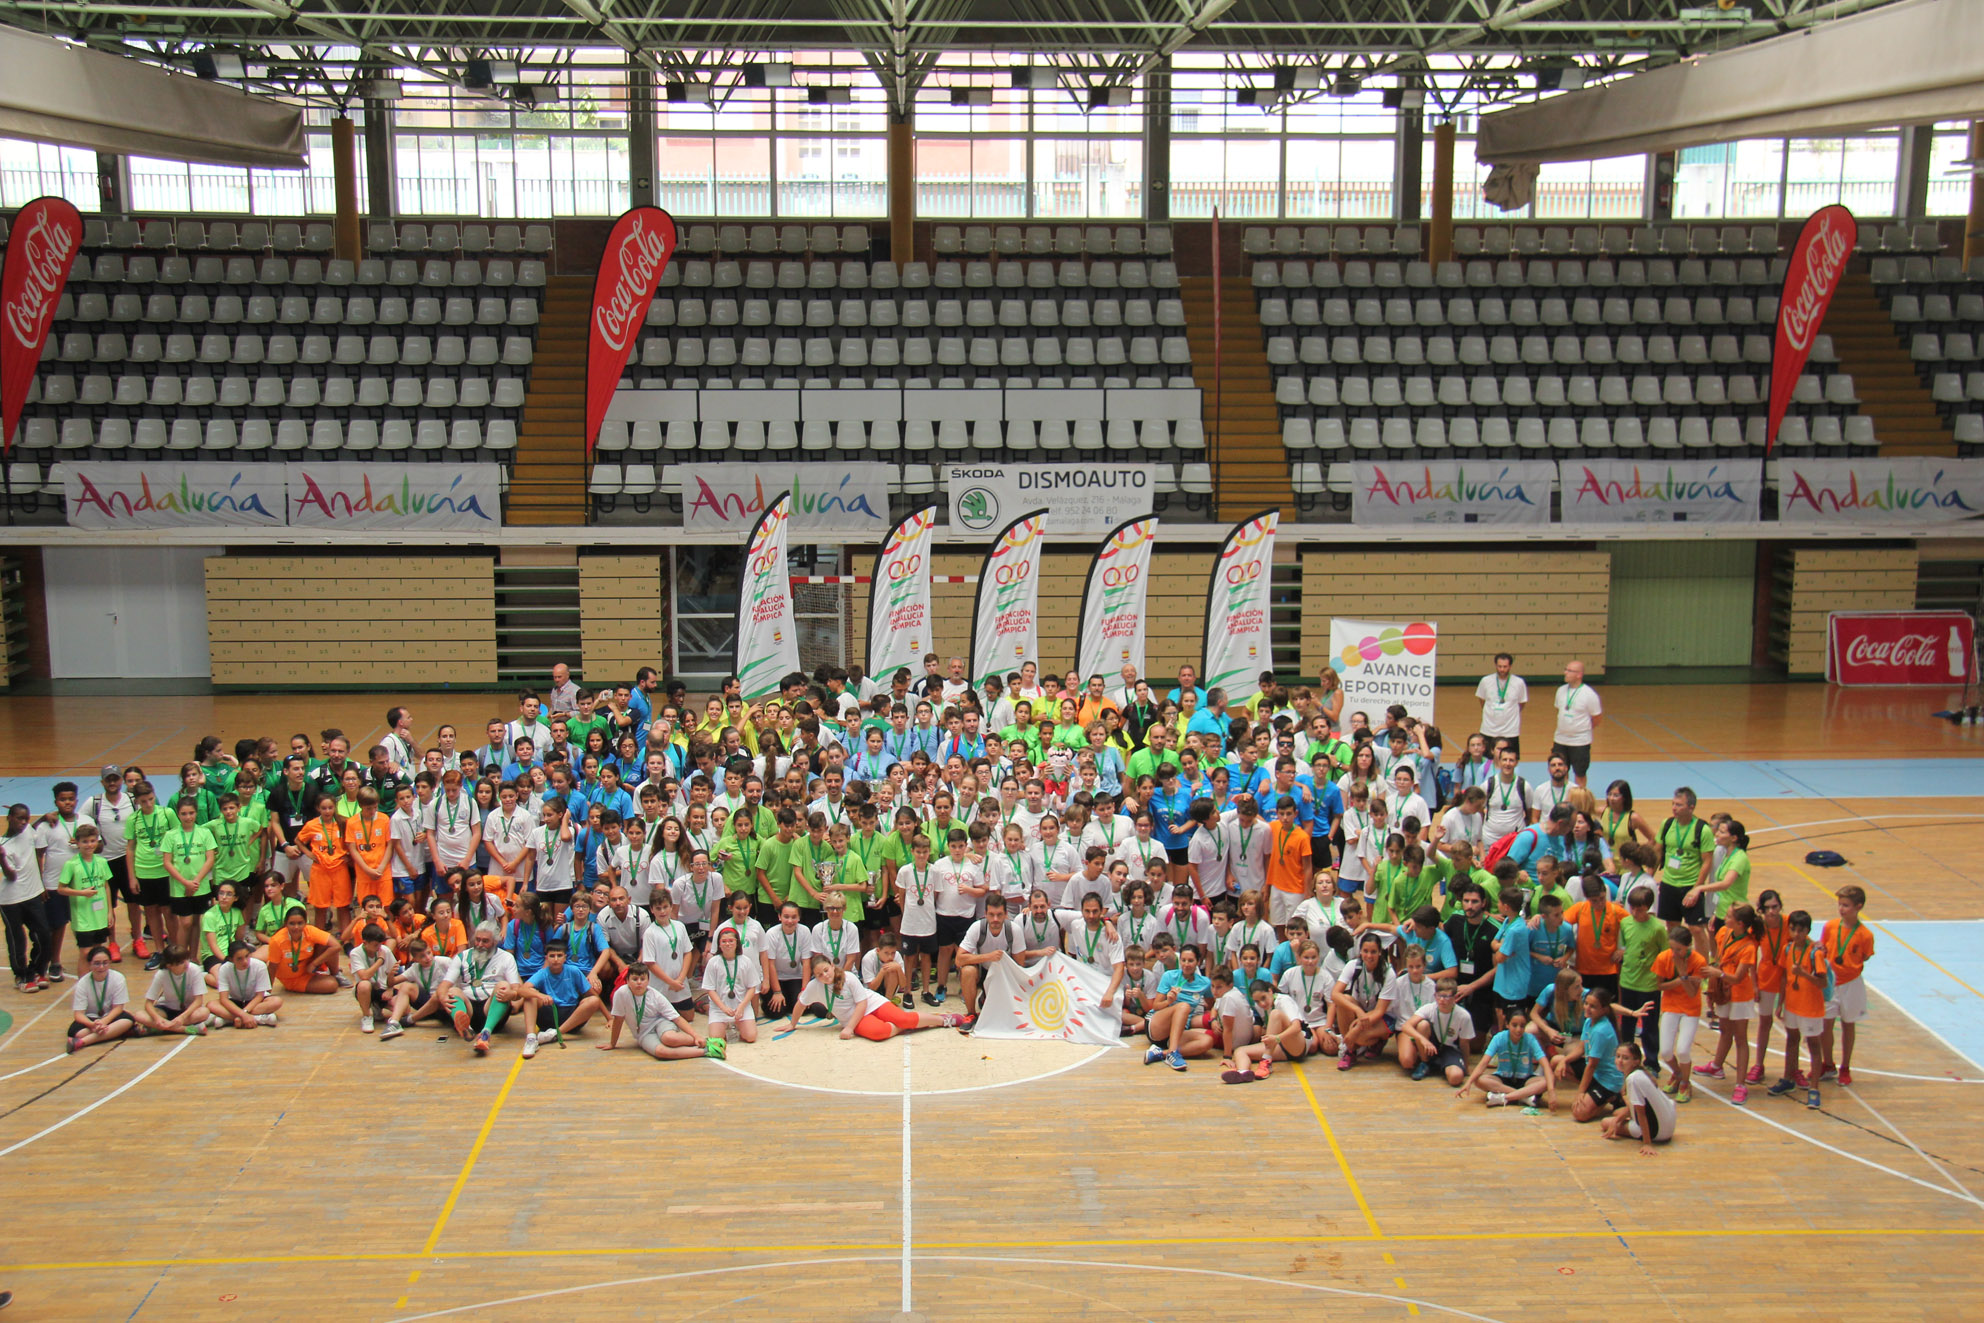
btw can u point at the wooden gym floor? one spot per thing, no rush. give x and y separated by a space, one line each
309 1170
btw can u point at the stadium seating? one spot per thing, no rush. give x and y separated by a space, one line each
1938 309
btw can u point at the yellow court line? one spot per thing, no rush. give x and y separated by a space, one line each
1343 1163
461 1178
1890 934
1154 1242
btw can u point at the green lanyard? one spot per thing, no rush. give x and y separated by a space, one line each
100 994
1571 695
791 941
729 974
1090 936
922 884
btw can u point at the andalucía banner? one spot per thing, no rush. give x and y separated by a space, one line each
1238 599
1113 621
1059 999
1005 629
1680 491
1908 490
767 633
637 248
1452 492
47 235
899 623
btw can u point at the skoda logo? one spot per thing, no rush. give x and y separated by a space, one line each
978 509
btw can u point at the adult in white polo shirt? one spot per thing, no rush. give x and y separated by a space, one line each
1502 696
1508 807
1578 715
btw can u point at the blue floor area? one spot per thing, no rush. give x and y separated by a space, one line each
1939 984
1711 778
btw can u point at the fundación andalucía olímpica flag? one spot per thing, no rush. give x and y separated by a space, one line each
1005 628
1059 998
1113 620
899 630
767 633
1238 647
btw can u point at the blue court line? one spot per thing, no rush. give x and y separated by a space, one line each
1929 982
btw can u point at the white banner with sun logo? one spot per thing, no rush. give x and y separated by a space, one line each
1058 999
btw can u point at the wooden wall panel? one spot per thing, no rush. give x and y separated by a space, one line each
1827 579
1546 607
278 621
623 620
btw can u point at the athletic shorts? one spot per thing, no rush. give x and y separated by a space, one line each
1510 1005
1577 755
1610 982
1803 1026
951 928
405 886
1769 1003
1849 1002
1673 911
1281 905
54 911
1449 1058
916 944
1652 1124
192 907
209 963
75 1028
85 940
552 1015
154 891
1605 1098
121 886
1736 1010
1180 855
875 918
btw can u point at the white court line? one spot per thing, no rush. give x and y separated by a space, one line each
1868 817
736 1069
123 1088
906 1182
1934 1166
1896 1075
1139 1268
60 1056
59 1001
1755 1115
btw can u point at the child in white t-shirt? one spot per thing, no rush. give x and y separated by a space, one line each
658 1029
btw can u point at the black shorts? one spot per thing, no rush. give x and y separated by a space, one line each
1513 741
551 1015
1449 1058
1577 755
154 891
560 898
914 944
1180 855
766 913
876 918
1481 1009
1673 911
951 928
85 940
54 911
75 1028
1510 1005
1610 982
121 886
1605 1098
811 918
191 907
208 963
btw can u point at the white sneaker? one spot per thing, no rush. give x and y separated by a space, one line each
267 1019
215 1022
530 1046
1498 1100
364 1024
393 1030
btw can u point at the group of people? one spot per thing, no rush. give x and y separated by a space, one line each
1261 880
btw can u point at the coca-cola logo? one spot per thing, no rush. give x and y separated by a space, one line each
639 258
1907 651
48 247
1825 259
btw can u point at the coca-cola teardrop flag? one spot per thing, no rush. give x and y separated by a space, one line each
639 246
1818 260
47 235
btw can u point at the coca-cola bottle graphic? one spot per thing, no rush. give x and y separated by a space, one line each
1958 663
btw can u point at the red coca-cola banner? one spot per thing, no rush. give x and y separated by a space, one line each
47 235
1818 260
638 248
1934 648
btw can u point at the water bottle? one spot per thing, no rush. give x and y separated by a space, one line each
1957 661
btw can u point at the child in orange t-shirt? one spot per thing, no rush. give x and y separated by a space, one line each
1805 970
368 843
1848 947
369 911
1678 973
1597 921
1288 864
1736 953
444 934
303 958
322 838
1771 937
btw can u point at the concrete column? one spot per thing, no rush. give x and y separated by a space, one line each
640 136
348 238
1440 231
1157 143
382 175
1973 232
1912 187
1410 148
902 188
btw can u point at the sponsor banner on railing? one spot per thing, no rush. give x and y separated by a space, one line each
1452 492
1899 647
1629 491
396 497
1078 498
1879 491
110 496
826 498
400 498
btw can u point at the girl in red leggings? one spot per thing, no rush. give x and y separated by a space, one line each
859 1009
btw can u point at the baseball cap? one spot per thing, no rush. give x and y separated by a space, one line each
109 771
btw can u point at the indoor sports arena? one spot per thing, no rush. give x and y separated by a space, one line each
737 658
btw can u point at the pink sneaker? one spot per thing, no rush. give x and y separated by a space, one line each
1739 1095
1755 1075
1710 1070
1846 1077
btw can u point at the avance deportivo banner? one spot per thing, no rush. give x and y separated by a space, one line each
637 248
393 498
1818 261
1238 602
899 621
1005 629
1079 498
1879 491
1382 662
1452 492
47 235
1113 600
767 632
1631 491
826 498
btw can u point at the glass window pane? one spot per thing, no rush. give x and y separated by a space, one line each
743 177
1949 184
1241 176
29 170
966 177
1075 178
